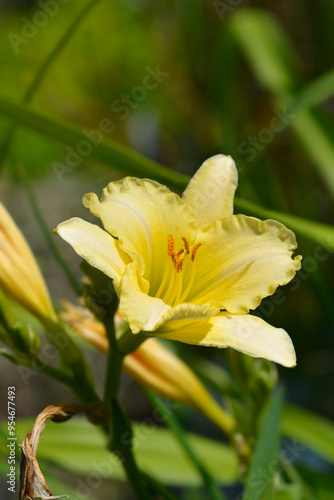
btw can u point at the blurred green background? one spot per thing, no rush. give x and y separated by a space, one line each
179 82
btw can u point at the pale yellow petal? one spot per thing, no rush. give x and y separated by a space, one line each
141 311
211 191
20 276
96 246
141 214
241 261
245 333
186 313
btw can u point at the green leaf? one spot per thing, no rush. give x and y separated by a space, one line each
269 50
108 152
314 93
180 436
266 47
318 143
309 429
265 455
79 447
119 157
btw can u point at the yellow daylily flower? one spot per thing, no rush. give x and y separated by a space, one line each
153 366
20 276
186 268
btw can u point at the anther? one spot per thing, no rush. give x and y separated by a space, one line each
186 244
171 245
193 255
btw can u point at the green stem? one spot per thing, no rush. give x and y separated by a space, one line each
54 373
135 477
119 425
128 342
115 361
175 426
41 73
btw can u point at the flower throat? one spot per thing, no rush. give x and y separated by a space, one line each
173 289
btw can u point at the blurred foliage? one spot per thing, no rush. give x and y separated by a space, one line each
232 68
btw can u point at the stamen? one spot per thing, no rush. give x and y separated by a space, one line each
175 294
174 289
186 244
180 265
166 276
175 261
189 285
171 245
193 255
170 288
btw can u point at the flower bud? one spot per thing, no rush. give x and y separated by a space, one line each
20 276
153 366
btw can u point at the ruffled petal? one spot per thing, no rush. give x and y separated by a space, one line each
211 191
96 246
141 311
141 214
241 261
245 333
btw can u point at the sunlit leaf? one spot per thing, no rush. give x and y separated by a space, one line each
79 447
267 48
314 93
106 151
309 429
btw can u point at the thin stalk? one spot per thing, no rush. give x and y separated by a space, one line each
56 51
48 235
119 425
55 373
179 433
135 477
115 361
41 73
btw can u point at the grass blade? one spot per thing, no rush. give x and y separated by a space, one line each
108 152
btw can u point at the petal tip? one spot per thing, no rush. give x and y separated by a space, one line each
91 201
